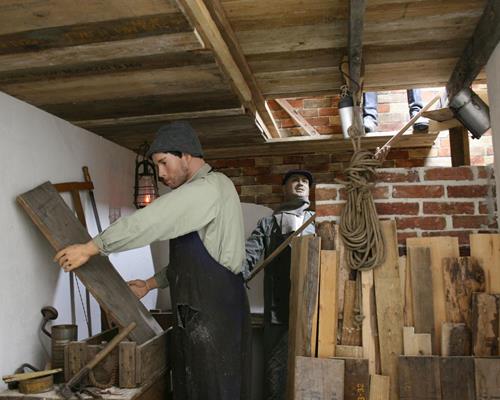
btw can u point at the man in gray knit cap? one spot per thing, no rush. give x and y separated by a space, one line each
202 218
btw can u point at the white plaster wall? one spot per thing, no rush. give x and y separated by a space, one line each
36 147
493 78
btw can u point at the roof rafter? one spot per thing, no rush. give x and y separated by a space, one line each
210 21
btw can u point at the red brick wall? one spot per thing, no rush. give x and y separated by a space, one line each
426 201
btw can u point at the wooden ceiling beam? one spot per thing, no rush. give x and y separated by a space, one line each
210 21
478 50
356 25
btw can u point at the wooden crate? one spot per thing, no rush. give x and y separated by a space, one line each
135 364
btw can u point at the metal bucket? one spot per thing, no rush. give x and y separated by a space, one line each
61 335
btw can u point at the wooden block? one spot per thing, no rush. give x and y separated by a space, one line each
61 228
356 379
327 318
419 378
421 280
318 378
369 325
127 362
456 339
303 302
487 373
389 308
351 329
380 387
416 344
486 249
349 351
457 378
441 247
485 324
326 231
462 276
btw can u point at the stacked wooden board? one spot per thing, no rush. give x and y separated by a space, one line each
422 323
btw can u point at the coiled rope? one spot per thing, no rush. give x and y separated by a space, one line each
359 224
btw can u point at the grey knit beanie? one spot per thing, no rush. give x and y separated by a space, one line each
176 136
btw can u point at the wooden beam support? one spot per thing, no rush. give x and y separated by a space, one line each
356 22
292 112
478 50
210 21
459 145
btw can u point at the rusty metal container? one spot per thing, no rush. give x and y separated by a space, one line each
61 335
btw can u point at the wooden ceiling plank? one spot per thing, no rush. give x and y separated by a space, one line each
118 85
98 52
478 50
158 118
213 26
104 31
308 128
134 105
19 16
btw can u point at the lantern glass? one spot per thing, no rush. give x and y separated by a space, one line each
146 189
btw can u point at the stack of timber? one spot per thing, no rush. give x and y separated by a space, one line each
429 325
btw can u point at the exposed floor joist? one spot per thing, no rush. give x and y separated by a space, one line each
478 50
214 29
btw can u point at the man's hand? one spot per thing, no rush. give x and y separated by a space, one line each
139 287
76 255
382 152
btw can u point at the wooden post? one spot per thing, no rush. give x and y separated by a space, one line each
459 146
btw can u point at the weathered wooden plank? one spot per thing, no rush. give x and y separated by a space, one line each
409 319
456 339
119 85
326 230
60 227
75 355
303 301
343 271
351 329
485 320
318 378
416 344
419 378
478 50
441 247
457 378
127 364
389 307
78 34
49 13
356 379
328 317
486 248
380 387
151 358
487 372
349 351
143 105
421 278
462 277
369 329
